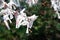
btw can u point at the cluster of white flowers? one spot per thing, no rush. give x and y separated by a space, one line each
20 16
56 5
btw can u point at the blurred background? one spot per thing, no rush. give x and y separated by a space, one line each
46 27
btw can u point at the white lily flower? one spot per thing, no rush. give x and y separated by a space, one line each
10 12
19 20
6 12
22 13
21 17
29 22
6 18
11 3
2 3
56 5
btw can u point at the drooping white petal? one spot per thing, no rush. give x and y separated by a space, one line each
6 18
27 31
6 23
23 13
31 20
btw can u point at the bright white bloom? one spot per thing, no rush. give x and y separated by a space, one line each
22 12
31 19
29 22
10 12
21 17
6 18
11 3
6 12
2 3
34 1
31 2
56 5
19 20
